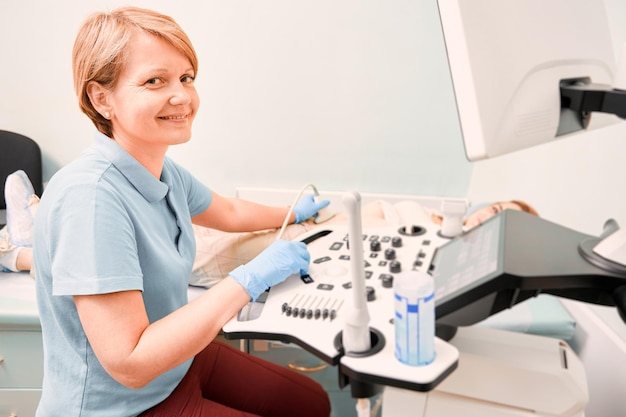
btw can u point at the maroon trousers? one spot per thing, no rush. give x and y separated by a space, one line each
225 382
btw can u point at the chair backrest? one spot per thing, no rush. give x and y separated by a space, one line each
19 152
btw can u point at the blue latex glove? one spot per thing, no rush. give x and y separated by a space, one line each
272 266
307 207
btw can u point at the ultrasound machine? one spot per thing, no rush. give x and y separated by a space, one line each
543 85
508 259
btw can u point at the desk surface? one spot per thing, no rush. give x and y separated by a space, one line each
18 302
18 306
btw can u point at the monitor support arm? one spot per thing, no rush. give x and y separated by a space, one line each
583 98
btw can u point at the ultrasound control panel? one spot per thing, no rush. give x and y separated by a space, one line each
310 310
388 252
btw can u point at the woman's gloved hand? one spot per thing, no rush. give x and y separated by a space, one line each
307 207
272 266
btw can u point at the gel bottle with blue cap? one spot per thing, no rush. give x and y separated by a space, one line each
414 321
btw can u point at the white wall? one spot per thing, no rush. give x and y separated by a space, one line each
343 93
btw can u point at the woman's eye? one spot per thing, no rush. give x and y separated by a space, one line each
154 81
188 79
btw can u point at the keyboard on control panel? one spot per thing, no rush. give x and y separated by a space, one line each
387 252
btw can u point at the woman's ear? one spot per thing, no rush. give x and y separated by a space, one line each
99 97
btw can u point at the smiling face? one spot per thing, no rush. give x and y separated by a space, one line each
154 101
487 212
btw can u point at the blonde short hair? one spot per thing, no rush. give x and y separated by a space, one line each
101 48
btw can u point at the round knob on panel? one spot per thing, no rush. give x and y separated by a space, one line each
390 254
375 245
395 266
396 242
387 281
371 293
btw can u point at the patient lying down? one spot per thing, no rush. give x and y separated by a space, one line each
218 253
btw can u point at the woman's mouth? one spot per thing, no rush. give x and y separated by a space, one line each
175 117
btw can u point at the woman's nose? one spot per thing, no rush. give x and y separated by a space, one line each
180 95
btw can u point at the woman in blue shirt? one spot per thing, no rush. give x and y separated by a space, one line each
114 246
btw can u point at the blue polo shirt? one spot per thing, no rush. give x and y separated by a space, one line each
105 224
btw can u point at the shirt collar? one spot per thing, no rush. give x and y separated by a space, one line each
148 186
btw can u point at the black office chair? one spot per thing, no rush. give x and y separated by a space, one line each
19 152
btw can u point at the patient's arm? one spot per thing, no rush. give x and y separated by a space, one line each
372 215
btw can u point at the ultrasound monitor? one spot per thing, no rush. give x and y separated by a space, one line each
508 61
510 258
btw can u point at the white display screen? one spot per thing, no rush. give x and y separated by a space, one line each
507 60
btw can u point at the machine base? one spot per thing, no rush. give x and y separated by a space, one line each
500 374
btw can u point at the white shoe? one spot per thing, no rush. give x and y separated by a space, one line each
21 202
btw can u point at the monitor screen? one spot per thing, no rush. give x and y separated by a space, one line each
507 60
468 261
